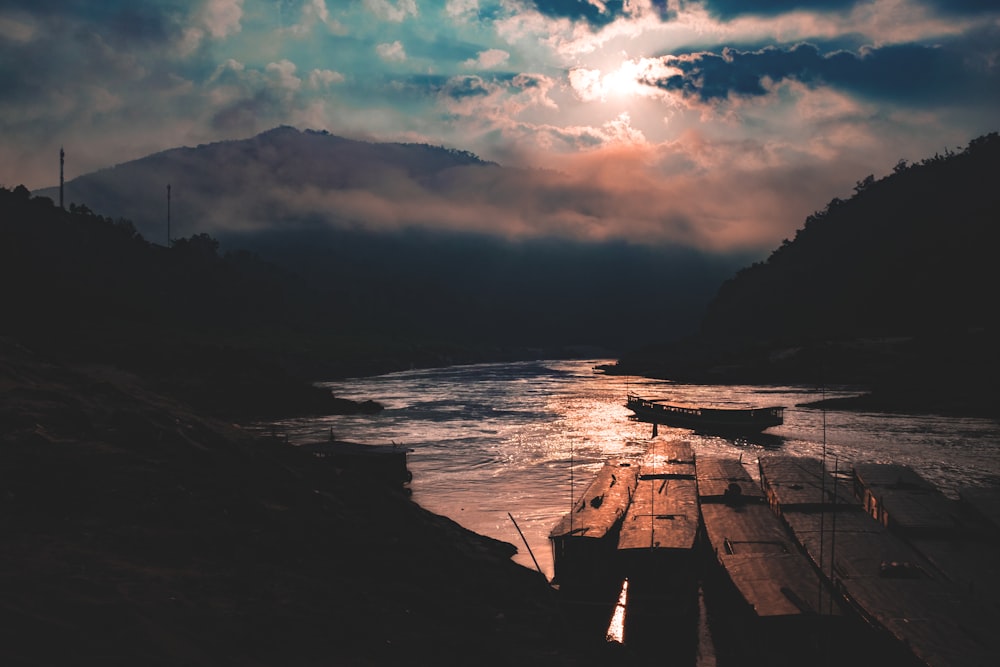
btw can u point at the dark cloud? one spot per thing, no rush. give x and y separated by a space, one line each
727 9
117 21
964 6
466 86
905 72
581 10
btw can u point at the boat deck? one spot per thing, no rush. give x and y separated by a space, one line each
656 550
885 579
664 509
958 542
584 540
754 549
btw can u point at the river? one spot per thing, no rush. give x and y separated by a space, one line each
524 438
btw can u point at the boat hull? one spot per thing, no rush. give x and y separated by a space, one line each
706 420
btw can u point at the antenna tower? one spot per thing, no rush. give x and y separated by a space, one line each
62 162
168 215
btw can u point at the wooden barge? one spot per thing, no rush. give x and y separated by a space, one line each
888 582
656 549
585 539
770 604
954 536
759 556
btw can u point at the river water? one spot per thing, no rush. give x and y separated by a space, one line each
522 439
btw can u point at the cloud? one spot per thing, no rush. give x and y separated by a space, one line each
393 12
488 59
594 12
918 73
284 72
969 7
462 10
19 29
221 18
728 9
324 78
391 52
631 78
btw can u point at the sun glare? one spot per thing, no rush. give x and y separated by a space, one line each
631 78
616 629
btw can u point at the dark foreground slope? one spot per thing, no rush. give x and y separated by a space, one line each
137 533
893 289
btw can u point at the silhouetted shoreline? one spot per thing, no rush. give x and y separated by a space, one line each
137 531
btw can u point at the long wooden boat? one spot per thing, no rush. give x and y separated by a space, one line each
381 463
958 541
585 540
735 421
772 605
752 546
657 549
889 583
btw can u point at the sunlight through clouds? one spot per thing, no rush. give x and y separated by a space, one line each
630 79
710 95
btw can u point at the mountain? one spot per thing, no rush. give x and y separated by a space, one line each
415 242
282 178
893 288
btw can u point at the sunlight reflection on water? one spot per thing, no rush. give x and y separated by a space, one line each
526 437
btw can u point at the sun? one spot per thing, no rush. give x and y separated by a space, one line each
629 79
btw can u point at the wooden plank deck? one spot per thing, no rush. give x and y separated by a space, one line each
584 542
903 501
664 509
802 484
956 540
888 581
601 506
716 475
656 550
757 553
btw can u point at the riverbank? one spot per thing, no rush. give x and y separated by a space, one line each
949 374
138 531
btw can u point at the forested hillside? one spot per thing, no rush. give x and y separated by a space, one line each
894 288
82 288
913 252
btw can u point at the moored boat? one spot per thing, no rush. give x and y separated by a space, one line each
585 539
735 421
772 606
657 549
888 582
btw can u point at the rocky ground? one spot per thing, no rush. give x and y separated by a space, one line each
137 532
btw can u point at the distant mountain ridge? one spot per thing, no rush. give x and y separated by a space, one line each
260 181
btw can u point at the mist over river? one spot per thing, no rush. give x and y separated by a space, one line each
525 438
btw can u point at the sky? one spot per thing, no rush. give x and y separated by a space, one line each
721 122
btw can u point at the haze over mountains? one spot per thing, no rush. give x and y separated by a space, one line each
423 241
